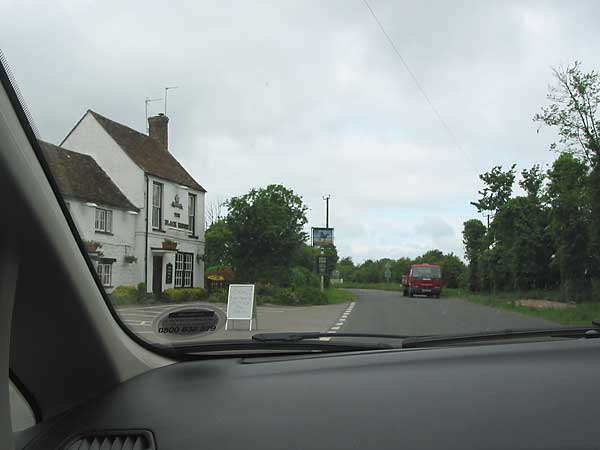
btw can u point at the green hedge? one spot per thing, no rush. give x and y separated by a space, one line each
185 295
276 295
124 294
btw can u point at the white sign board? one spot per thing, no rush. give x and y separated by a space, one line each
241 304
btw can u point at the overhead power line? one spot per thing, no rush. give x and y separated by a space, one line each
414 77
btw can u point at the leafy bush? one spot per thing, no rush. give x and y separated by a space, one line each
218 297
276 295
224 271
185 295
124 294
300 277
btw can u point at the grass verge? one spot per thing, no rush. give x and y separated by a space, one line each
335 296
379 286
580 314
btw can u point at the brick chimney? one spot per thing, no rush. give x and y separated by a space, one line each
159 129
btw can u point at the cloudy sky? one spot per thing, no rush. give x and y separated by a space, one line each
311 95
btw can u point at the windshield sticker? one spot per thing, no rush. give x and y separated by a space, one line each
184 322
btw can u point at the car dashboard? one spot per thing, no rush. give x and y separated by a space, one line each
541 395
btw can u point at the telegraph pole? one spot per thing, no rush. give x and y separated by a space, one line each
327 210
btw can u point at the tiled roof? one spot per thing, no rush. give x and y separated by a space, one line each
80 177
147 153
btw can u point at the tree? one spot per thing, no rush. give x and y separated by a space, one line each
568 223
346 267
533 182
573 109
475 243
332 259
369 272
497 189
452 270
520 235
266 227
218 244
430 257
214 212
399 268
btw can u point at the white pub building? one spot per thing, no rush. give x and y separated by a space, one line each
128 193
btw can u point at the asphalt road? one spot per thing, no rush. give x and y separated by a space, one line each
270 319
372 311
390 312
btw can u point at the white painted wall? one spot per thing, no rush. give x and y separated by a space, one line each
186 243
116 245
91 139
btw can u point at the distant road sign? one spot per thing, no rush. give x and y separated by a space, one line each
322 263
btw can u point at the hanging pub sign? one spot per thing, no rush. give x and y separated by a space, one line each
322 237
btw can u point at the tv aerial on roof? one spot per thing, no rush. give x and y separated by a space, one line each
167 89
149 100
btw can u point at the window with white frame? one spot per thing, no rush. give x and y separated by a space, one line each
103 220
192 213
179 270
188 268
157 204
184 269
105 273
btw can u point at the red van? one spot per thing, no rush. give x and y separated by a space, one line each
423 279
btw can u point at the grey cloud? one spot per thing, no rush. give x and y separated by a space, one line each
309 93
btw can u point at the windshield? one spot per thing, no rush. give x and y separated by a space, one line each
234 168
430 272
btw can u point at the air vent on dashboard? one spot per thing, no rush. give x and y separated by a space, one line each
112 440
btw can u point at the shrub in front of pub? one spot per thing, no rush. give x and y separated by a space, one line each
185 295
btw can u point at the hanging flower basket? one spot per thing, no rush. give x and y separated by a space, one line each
92 246
130 259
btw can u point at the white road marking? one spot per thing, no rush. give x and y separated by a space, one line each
342 319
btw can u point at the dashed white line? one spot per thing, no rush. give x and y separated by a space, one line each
335 328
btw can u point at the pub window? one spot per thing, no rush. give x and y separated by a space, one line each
103 220
157 199
179 270
184 269
105 273
192 213
188 268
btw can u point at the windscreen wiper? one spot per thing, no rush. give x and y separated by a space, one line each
275 345
304 335
408 341
441 340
